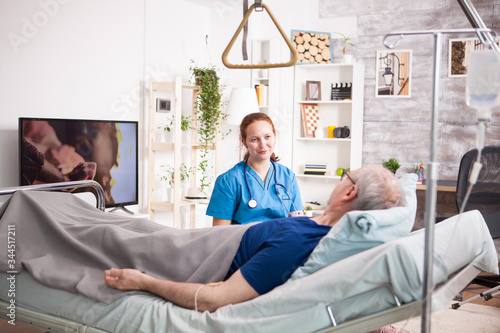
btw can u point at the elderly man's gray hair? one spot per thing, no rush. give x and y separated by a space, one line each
377 188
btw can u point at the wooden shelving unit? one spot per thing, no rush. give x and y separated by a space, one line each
177 148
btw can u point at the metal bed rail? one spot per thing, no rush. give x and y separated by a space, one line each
395 298
95 186
47 322
443 294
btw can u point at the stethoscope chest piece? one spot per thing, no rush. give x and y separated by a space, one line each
252 203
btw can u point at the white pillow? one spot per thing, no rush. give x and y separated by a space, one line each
359 230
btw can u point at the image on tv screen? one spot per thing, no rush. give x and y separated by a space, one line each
57 150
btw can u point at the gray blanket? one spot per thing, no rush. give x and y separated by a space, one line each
65 243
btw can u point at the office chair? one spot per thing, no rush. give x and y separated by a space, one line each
485 195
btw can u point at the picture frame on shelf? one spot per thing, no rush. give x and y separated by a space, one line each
312 47
459 53
163 105
393 74
313 90
310 119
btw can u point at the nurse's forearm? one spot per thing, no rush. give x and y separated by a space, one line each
216 221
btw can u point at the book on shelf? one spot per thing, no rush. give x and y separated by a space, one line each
314 168
316 165
262 94
318 173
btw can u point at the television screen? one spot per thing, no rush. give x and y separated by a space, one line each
56 150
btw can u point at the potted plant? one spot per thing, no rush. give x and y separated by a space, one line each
209 114
185 124
308 211
167 175
392 164
347 58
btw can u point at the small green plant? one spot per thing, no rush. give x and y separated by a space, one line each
392 164
168 173
308 208
346 41
185 124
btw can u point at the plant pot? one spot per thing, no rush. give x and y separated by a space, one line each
160 194
309 213
348 59
169 194
169 136
159 135
344 59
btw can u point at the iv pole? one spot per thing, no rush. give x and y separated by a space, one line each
487 38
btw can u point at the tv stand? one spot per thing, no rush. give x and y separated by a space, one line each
122 208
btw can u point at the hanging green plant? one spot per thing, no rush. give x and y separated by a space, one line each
209 106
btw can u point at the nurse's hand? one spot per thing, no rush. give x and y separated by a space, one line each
297 213
216 221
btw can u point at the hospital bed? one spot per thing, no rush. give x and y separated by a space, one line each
357 293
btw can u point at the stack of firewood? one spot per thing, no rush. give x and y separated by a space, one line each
312 47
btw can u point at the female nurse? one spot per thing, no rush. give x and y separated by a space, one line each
257 188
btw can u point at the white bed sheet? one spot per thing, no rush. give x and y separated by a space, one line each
299 305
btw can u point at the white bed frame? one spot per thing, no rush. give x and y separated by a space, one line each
441 296
51 323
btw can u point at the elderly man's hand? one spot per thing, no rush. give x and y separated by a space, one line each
125 279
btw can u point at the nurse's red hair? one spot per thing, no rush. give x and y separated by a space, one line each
250 119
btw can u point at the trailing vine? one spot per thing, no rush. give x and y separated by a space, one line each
209 114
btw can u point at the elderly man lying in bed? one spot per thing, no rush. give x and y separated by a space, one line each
270 251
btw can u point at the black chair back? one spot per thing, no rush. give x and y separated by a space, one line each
485 195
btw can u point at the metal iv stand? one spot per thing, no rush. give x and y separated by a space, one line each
487 38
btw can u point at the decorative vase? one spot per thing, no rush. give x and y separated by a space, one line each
319 133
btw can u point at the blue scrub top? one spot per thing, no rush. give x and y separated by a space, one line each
230 196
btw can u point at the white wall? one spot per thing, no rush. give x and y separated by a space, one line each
95 59
67 59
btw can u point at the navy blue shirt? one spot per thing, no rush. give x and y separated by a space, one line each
272 250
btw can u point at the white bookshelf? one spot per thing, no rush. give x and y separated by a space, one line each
335 152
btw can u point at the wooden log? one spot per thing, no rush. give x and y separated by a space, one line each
326 54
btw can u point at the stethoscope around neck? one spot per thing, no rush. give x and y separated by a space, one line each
253 203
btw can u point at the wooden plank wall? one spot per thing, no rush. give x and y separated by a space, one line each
400 127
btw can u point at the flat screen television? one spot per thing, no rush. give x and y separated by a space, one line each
55 150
